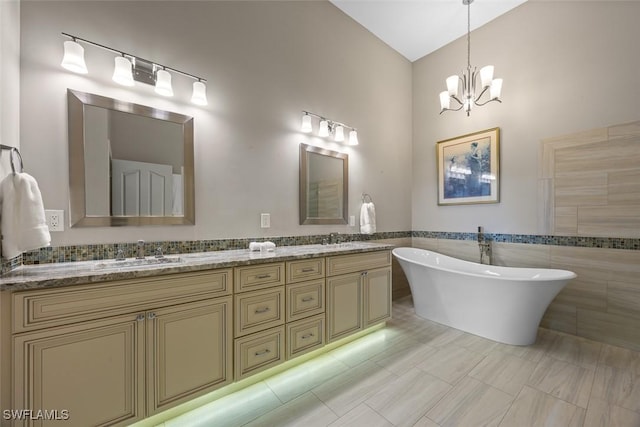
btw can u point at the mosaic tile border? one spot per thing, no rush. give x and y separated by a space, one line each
534 239
108 251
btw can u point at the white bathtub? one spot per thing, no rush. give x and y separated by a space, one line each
503 304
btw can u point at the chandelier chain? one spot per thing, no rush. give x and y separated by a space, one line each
469 34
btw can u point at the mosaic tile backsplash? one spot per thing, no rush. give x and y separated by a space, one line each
109 250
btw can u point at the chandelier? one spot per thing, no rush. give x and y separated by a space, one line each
467 82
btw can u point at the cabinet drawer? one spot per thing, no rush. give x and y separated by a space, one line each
304 336
308 269
261 276
257 352
342 264
305 299
255 311
61 306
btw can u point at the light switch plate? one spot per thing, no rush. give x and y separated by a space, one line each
265 220
352 220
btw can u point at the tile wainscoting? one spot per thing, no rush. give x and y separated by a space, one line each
602 304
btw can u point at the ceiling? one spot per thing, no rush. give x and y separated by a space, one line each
416 28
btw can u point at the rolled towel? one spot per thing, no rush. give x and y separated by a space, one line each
269 246
368 218
255 246
23 222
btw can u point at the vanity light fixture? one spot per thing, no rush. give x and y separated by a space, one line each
468 81
327 127
129 68
73 59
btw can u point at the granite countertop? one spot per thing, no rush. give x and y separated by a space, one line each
76 273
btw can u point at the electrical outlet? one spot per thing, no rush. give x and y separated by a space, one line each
265 220
55 219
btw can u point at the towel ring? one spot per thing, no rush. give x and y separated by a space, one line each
13 167
365 196
11 151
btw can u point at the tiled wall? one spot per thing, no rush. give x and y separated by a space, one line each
589 183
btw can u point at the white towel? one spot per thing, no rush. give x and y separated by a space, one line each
23 223
262 246
368 218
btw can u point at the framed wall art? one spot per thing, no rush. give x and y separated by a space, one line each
469 168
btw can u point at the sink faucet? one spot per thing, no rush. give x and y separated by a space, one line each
140 252
120 255
334 238
485 248
159 253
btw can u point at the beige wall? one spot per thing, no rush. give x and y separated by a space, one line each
9 80
264 62
567 66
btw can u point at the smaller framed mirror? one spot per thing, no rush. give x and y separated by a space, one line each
324 186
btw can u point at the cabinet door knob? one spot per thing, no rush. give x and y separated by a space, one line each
265 351
151 316
261 310
140 317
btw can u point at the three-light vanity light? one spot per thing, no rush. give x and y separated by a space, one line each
129 68
327 127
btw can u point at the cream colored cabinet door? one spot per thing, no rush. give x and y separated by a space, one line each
189 351
92 373
377 296
344 305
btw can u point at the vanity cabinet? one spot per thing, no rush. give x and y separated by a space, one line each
358 292
259 333
160 346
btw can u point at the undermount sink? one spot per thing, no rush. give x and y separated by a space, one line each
144 262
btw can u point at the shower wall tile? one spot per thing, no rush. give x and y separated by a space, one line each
614 220
623 298
462 249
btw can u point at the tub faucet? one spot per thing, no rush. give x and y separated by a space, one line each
140 252
485 248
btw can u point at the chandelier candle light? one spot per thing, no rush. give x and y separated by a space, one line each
468 81
129 68
328 127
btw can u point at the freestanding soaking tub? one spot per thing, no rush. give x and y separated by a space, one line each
503 304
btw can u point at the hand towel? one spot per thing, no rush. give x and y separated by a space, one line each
255 246
368 218
22 221
262 246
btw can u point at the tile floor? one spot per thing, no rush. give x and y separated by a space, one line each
419 373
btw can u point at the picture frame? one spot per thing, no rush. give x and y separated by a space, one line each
469 168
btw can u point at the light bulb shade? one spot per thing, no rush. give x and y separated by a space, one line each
306 123
324 128
199 96
486 75
339 136
353 137
444 100
452 85
122 72
73 59
496 89
163 83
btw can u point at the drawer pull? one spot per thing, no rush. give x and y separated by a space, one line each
306 337
307 299
262 310
261 352
308 270
263 276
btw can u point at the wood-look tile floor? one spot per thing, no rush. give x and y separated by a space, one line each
419 373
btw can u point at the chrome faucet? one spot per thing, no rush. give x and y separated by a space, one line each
140 252
120 255
159 253
485 248
334 238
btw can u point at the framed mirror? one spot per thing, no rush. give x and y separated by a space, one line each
129 164
324 184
